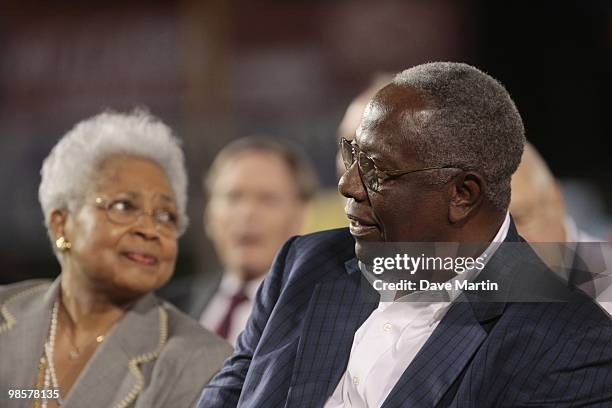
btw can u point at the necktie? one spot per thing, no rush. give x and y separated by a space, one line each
236 300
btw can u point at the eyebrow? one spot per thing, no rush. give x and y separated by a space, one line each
376 157
131 194
164 197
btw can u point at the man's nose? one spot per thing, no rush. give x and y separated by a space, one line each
351 186
246 209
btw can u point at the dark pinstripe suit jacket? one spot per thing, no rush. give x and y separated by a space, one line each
297 342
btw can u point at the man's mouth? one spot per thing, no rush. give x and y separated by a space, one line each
141 258
247 240
360 228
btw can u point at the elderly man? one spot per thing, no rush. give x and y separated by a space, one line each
431 162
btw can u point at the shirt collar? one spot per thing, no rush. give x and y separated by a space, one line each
445 297
471 274
231 284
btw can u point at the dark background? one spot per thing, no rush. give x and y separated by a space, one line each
217 70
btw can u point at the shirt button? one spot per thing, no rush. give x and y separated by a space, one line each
387 327
355 380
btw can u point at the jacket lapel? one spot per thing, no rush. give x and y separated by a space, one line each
442 360
336 310
114 376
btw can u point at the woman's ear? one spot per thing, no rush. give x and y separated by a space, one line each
466 195
57 223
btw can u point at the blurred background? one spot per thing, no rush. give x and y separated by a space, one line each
216 70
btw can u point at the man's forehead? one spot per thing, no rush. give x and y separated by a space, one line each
393 104
400 97
393 114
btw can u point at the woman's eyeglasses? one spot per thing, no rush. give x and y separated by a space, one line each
125 212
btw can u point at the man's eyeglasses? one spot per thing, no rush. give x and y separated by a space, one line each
372 176
124 211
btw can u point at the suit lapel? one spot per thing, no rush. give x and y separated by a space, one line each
336 310
440 361
113 377
450 348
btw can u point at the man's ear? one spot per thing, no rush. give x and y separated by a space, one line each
57 223
466 195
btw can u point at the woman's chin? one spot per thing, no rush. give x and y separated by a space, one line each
137 283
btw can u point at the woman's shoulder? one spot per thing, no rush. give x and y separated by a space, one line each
187 334
23 289
190 358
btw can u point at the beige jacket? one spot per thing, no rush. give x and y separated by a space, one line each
154 357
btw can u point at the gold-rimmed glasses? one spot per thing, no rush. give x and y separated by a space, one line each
372 176
124 211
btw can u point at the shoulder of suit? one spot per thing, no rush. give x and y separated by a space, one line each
331 240
191 349
23 290
327 235
571 319
189 359
185 334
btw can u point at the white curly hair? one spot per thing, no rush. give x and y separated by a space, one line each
71 166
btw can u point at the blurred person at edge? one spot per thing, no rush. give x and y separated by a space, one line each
258 193
354 112
328 205
113 194
537 203
538 209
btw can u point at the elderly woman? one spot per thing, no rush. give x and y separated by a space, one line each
113 194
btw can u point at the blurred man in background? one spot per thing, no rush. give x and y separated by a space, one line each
328 206
537 204
352 117
538 209
258 191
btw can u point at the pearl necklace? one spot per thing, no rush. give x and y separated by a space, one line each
50 378
50 375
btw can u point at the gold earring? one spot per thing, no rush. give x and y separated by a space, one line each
63 244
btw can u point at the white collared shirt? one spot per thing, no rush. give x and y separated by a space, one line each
217 307
390 338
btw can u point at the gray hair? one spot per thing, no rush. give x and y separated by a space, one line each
473 124
72 164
